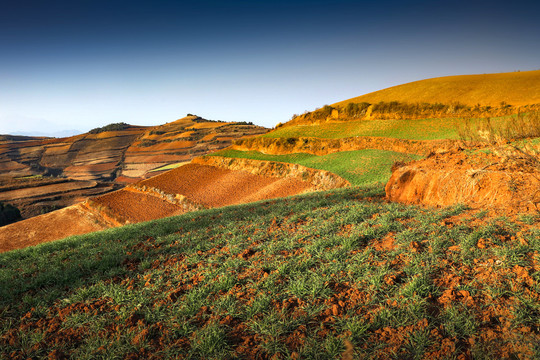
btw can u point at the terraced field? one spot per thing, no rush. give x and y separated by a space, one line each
118 150
187 188
423 129
411 129
107 157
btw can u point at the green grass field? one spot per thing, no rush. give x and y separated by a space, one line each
300 277
359 167
422 129
169 167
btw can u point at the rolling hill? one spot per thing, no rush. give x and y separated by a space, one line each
515 88
362 139
446 98
120 152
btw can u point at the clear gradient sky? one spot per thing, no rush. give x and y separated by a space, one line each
79 64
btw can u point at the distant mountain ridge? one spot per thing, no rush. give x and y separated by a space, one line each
55 134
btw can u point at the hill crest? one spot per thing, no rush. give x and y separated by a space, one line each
484 95
514 88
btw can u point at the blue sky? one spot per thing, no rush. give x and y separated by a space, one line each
86 63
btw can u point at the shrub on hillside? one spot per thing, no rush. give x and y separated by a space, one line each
356 110
418 109
324 112
402 110
8 214
242 123
110 127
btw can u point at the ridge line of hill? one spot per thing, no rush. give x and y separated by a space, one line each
515 88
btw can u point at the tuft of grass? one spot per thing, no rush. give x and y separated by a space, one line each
494 131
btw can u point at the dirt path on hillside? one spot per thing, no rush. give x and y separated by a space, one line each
55 225
214 187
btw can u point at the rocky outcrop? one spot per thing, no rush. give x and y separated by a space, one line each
479 181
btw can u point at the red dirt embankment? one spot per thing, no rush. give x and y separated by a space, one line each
316 146
132 206
319 179
479 180
213 187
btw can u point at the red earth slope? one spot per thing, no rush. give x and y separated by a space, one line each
481 180
129 153
186 188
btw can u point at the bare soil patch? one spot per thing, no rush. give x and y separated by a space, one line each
133 206
480 180
214 187
56 225
157 197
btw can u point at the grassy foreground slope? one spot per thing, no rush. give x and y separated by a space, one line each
516 88
311 276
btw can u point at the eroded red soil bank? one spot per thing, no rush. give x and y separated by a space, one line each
478 180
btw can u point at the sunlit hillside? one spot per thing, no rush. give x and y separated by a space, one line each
515 88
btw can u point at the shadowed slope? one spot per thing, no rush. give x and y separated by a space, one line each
72 220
